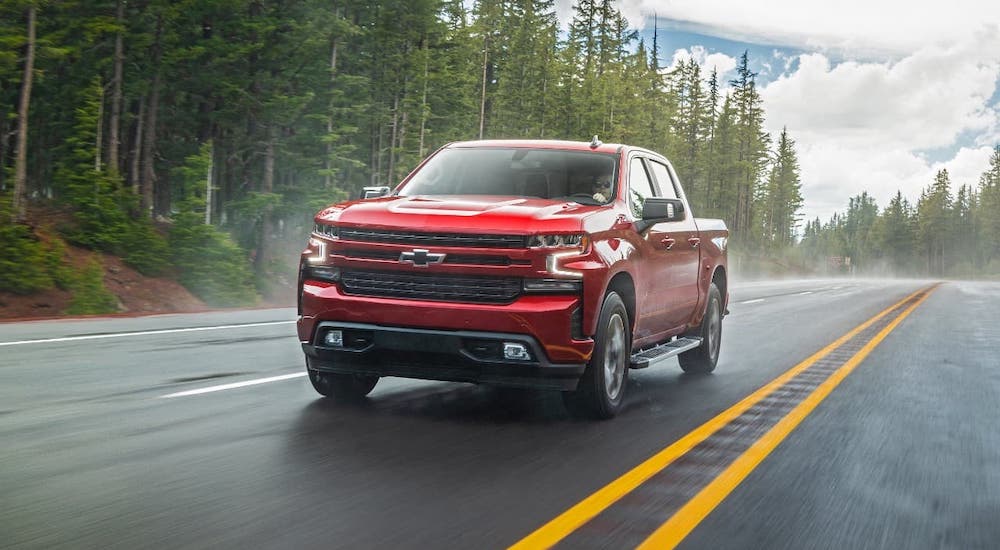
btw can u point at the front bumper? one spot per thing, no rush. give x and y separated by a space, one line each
450 355
548 319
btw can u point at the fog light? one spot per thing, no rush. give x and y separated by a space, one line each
334 338
515 352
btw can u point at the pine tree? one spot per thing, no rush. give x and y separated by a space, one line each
989 209
722 191
935 225
21 157
522 103
690 126
783 197
894 234
752 144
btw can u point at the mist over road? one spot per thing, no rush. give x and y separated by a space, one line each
200 430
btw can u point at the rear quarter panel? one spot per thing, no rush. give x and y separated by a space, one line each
714 257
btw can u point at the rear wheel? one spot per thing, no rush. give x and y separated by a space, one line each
602 387
703 358
342 386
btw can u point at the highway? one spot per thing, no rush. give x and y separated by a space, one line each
201 431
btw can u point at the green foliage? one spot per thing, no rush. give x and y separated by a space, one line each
782 199
23 261
99 221
305 101
56 264
145 249
249 213
945 234
100 205
208 262
987 212
90 296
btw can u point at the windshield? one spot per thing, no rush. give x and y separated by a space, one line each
581 176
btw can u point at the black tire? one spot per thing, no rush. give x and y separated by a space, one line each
346 387
602 388
702 359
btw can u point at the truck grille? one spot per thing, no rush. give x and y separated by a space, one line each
455 259
432 239
436 287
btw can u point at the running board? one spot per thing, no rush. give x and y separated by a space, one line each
664 351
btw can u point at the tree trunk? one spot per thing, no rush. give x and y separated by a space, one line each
263 258
482 95
149 139
208 184
136 160
4 143
99 137
21 158
149 149
401 143
423 104
328 163
377 151
114 141
392 138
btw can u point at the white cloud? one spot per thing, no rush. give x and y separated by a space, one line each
861 126
899 26
707 61
966 166
991 136
916 77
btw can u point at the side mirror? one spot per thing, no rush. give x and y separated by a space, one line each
373 192
660 209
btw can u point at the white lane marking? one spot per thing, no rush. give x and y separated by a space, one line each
752 301
141 333
234 385
804 293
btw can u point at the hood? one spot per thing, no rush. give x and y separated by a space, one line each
466 213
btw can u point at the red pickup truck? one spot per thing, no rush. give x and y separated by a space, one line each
547 264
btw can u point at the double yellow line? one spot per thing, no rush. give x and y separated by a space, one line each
695 510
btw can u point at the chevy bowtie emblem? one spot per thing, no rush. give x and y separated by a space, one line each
420 258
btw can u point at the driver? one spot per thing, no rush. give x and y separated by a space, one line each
602 188
595 186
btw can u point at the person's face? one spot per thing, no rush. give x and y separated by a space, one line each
603 185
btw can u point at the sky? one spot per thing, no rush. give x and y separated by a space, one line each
878 94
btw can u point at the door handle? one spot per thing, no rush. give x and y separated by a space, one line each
669 241
694 242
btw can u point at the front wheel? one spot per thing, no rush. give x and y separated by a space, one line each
602 387
702 359
346 387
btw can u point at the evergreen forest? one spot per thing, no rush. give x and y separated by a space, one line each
196 138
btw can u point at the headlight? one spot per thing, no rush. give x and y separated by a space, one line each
562 247
578 240
328 231
318 249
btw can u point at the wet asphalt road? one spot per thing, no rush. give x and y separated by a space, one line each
905 453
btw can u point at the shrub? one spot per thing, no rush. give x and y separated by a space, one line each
210 264
144 249
55 262
90 296
23 261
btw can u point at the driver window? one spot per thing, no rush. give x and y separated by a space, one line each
639 186
664 179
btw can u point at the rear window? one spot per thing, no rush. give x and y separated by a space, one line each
580 176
